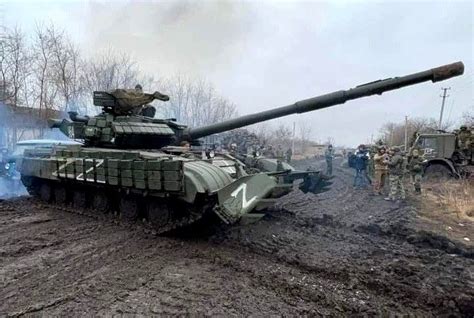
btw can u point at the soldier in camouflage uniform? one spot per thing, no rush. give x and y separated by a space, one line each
289 154
371 163
280 154
380 170
395 170
415 166
329 155
464 140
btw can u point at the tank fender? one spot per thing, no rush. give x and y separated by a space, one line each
242 196
203 177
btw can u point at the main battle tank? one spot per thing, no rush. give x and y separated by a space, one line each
135 165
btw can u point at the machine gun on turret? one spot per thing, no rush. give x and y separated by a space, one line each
122 102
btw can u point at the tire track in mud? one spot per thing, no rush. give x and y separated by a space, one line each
76 280
387 266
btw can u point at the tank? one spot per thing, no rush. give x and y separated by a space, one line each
257 157
141 168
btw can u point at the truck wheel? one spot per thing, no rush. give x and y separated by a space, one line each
437 172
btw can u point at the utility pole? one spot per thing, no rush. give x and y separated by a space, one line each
406 133
445 89
293 139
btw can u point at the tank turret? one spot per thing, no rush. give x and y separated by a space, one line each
127 119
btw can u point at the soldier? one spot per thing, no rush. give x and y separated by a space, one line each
415 165
233 149
395 170
139 88
268 152
185 144
370 163
380 170
329 155
464 140
280 155
360 164
289 154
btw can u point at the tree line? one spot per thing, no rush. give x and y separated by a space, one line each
47 70
393 133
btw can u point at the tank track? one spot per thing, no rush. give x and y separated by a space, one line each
154 215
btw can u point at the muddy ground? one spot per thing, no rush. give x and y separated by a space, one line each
340 253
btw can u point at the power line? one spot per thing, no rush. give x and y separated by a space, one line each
444 96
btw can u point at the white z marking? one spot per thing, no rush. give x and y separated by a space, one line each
243 188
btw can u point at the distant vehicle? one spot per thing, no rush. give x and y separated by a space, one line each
443 157
308 181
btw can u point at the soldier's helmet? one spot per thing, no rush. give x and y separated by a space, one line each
463 127
138 87
395 149
415 153
329 146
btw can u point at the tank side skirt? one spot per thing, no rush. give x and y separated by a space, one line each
181 213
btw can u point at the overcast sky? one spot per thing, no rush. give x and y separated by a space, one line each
264 54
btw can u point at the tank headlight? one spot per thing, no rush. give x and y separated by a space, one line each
212 154
7 166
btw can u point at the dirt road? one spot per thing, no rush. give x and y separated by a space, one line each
342 252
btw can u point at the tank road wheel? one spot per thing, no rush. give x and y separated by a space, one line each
100 202
158 213
60 194
79 199
45 192
128 208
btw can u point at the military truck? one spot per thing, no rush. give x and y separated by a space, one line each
141 168
443 156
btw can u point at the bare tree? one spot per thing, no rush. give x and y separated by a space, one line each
467 118
194 102
14 62
305 132
110 70
281 136
65 67
393 134
262 131
44 90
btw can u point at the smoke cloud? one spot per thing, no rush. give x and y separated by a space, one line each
191 37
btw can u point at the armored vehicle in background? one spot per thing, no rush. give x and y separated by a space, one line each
311 180
445 155
248 149
141 167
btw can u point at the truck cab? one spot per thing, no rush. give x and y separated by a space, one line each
442 156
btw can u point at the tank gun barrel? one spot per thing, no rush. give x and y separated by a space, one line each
339 97
54 123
